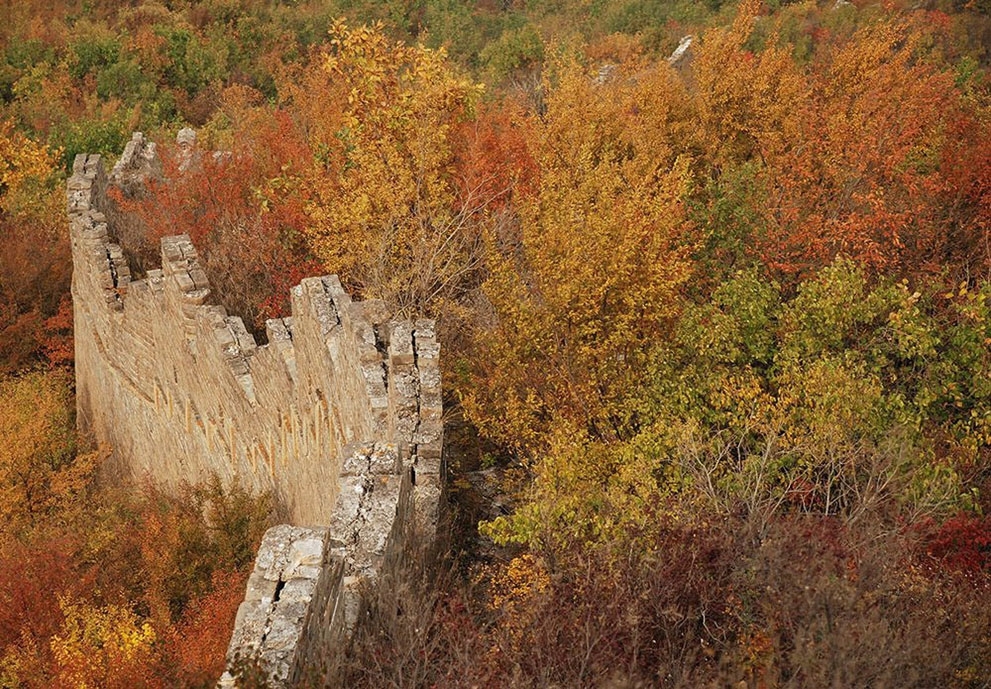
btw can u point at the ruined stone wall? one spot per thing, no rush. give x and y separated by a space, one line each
180 390
338 415
304 595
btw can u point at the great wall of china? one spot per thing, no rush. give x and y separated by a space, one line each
338 416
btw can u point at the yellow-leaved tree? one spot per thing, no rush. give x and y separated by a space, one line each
748 104
34 263
39 469
102 647
386 212
25 167
595 271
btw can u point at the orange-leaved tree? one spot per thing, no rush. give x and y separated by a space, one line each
748 104
34 262
40 472
863 174
243 209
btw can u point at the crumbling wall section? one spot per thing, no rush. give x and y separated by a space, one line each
304 594
338 415
180 390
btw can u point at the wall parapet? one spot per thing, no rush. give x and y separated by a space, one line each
338 415
275 416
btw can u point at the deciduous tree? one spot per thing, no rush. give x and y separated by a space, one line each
595 273
386 213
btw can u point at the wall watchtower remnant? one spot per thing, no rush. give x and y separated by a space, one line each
341 402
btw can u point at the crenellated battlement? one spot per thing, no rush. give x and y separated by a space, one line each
275 416
338 415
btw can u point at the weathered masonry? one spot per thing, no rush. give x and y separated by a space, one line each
339 415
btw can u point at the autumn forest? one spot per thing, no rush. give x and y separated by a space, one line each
716 328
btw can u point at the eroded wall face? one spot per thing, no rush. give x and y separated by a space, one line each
179 390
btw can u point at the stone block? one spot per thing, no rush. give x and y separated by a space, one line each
354 458
79 163
308 550
283 635
276 330
429 452
197 296
317 305
247 384
260 588
430 410
305 572
171 250
198 276
224 338
238 366
251 618
429 351
406 384
295 591
373 311
183 281
348 506
384 459
425 328
364 334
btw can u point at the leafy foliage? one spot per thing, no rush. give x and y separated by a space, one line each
727 324
39 470
33 282
238 208
828 403
384 211
573 316
99 588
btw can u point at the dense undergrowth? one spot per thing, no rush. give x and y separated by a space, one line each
723 331
100 587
